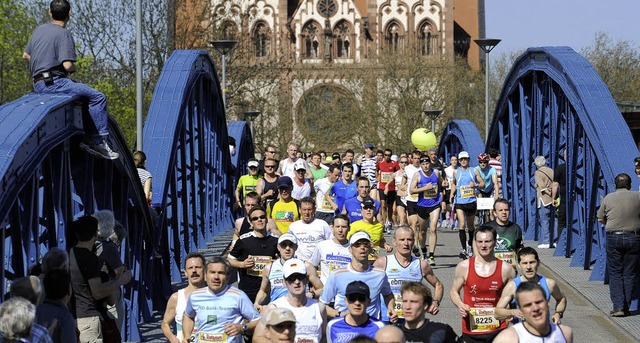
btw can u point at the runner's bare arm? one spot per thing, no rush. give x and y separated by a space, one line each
432 279
459 278
168 318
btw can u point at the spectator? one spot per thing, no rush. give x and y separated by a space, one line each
139 159
51 55
544 187
55 258
88 289
107 250
29 288
16 319
53 313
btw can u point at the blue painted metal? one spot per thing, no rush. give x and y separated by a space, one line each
47 181
552 101
459 135
185 136
245 149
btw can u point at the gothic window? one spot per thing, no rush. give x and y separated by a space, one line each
261 39
310 33
393 37
342 33
427 39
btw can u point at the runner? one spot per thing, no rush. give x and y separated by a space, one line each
268 185
412 199
309 230
326 205
490 178
400 206
481 279
353 206
426 184
509 239
401 268
333 254
372 227
286 210
386 188
416 300
463 188
219 311
345 188
448 172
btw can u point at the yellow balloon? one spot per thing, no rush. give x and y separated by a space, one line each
423 139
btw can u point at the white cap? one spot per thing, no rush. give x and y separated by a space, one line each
299 164
394 158
463 154
253 164
288 237
293 266
358 236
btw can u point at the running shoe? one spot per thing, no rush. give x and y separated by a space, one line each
432 260
416 251
463 254
470 251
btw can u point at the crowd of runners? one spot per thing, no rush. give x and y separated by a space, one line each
340 248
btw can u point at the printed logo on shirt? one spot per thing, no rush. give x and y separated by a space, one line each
282 216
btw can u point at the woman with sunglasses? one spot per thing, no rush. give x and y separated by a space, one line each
400 205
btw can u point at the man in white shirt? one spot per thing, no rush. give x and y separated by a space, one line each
325 203
308 230
333 254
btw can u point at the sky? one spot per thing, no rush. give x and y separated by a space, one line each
527 23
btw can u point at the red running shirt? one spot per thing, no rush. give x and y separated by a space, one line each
387 171
482 293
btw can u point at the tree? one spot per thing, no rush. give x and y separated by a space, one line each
617 63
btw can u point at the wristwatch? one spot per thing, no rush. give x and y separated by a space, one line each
437 302
244 328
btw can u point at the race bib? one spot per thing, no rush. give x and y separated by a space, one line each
430 193
250 189
306 339
412 196
259 262
326 205
398 305
482 319
467 192
211 337
507 256
385 177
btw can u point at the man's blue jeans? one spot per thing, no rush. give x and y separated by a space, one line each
623 258
97 100
544 214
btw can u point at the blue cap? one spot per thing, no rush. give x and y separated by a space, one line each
285 182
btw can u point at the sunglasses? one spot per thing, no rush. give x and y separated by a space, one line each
357 297
387 154
483 162
269 166
293 277
403 162
360 244
258 217
301 171
285 245
271 152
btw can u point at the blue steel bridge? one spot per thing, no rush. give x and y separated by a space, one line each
552 101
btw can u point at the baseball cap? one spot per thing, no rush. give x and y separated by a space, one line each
357 287
288 237
299 164
369 146
285 182
394 158
463 154
293 266
335 156
425 159
368 202
358 236
279 315
253 164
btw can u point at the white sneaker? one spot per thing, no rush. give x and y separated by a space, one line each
543 246
101 150
469 251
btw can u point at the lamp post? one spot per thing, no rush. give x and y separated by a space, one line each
224 47
433 114
251 115
486 44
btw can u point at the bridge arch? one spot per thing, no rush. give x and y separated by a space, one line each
459 135
48 181
554 101
186 139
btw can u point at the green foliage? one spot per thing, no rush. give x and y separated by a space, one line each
15 29
618 64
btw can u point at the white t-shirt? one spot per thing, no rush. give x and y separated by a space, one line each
308 319
448 172
410 171
309 235
330 256
322 186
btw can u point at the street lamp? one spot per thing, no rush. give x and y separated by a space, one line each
224 47
486 44
433 114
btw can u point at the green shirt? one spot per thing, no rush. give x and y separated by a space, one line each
248 183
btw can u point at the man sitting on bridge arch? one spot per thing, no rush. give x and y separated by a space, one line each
51 55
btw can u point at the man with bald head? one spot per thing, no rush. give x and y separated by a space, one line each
390 334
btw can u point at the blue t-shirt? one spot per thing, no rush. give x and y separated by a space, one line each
431 197
354 208
339 331
338 280
50 45
211 312
487 175
343 192
465 194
